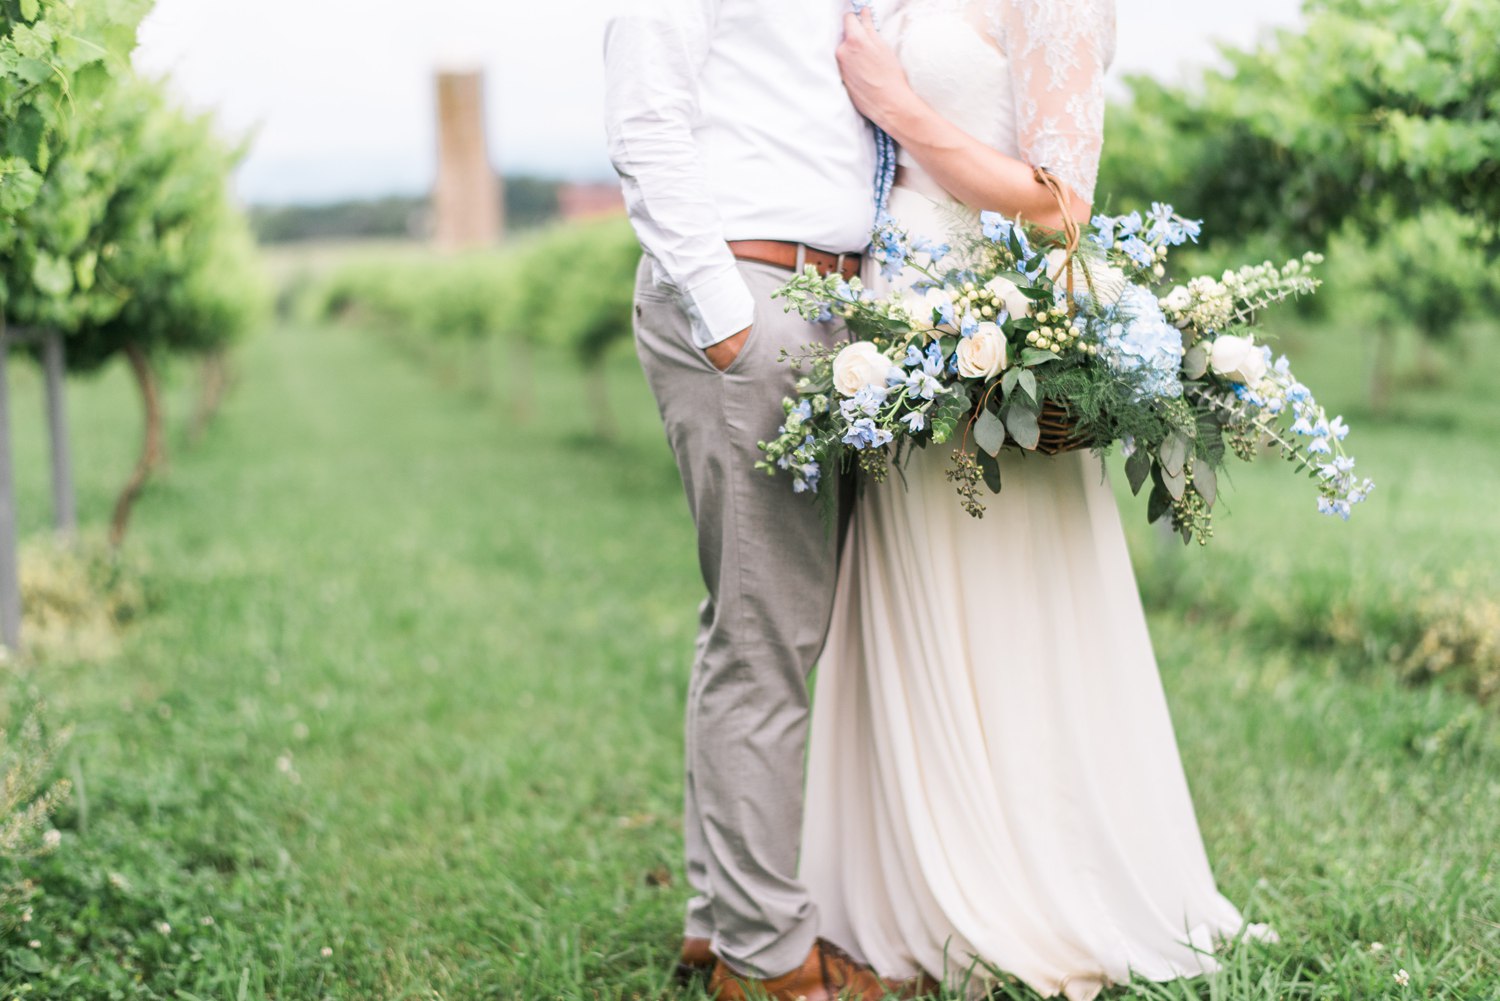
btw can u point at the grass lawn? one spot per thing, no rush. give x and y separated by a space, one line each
403 717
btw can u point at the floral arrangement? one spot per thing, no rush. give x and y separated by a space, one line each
1017 332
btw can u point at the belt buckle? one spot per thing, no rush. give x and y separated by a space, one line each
839 265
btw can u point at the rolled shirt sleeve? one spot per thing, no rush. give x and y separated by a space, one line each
653 54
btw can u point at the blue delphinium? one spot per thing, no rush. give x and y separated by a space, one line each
934 251
1139 339
864 434
867 401
1139 237
890 247
1170 229
1104 231
1138 250
1338 487
998 229
923 385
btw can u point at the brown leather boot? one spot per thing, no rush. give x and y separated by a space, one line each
921 986
828 974
696 961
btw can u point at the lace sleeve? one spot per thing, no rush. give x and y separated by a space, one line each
1058 52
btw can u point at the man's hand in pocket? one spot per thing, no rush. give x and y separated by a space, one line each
723 354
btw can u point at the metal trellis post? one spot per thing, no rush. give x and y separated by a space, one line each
64 507
10 580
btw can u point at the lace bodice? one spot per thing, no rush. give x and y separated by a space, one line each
1023 76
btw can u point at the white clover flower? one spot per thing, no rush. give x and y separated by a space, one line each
164 928
118 881
35 943
326 951
52 838
1402 978
206 921
1376 947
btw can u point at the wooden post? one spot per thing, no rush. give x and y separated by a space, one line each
64 507
466 200
10 578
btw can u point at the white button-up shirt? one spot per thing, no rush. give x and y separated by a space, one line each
727 120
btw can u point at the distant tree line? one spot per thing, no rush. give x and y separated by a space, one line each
530 202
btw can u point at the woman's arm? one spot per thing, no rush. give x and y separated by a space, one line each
1057 77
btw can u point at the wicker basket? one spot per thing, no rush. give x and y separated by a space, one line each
1059 433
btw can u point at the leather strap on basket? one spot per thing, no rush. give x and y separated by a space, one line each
1071 232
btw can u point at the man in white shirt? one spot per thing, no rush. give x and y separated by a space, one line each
742 159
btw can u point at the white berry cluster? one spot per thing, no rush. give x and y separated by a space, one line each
1202 305
1057 332
980 300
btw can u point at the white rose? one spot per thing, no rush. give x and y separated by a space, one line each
1056 259
934 300
1108 281
1016 304
1238 359
859 365
982 355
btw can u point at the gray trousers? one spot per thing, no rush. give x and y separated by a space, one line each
769 565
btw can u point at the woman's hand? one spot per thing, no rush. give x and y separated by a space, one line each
872 74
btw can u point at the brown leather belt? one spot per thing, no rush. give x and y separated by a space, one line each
795 256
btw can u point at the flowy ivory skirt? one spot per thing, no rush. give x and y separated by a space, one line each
994 784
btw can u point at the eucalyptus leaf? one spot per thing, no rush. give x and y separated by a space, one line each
1028 383
1137 469
1020 421
1174 452
1009 379
989 465
1037 356
1206 480
1176 483
1159 504
1195 362
989 433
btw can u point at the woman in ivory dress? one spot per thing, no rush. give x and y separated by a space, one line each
994 782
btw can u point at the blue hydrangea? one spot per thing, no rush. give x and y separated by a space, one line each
1140 339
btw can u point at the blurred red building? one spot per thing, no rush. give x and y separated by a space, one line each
589 201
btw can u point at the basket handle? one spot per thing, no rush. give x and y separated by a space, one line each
1071 232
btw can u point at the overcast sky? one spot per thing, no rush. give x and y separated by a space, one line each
338 93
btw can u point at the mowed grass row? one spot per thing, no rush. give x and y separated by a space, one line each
403 719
